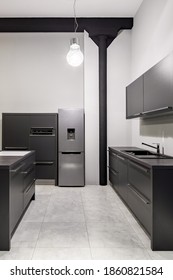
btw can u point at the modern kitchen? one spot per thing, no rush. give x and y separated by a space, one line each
86 157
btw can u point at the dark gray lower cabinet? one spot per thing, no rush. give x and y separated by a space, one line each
122 167
16 194
139 193
118 173
148 192
17 188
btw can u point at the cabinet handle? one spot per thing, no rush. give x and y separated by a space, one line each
17 169
28 189
146 170
113 154
168 108
138 194
135 115
113 171
27 171
16 148
43 163
121 158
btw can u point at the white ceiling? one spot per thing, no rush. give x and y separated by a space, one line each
64 8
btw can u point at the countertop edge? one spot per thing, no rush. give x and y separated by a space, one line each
149 163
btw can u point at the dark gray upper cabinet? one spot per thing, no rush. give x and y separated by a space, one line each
15 130
158 86
134 98
43 120
152 93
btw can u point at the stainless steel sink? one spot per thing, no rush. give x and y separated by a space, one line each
138 152
143 154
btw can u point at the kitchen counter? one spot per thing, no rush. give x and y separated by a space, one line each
148 162
8 158
145 186
17 189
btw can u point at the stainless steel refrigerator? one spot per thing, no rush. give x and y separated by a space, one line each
71 156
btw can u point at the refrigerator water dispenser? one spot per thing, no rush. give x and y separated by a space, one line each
71 133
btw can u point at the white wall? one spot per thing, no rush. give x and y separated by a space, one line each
152 40
91 103
118 71
34 74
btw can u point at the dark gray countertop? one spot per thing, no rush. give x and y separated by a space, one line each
8 161
151 163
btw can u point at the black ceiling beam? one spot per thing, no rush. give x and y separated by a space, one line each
94 26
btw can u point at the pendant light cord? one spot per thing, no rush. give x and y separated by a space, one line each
75 19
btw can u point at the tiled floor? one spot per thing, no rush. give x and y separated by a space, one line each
79 223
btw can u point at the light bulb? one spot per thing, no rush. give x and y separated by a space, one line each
74 56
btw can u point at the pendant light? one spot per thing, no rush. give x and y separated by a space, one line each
74 56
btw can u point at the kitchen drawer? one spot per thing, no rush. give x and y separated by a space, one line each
28 193
140 178
114 178
29 176
16 194
44 146
141 207
28 162
113 161
45 169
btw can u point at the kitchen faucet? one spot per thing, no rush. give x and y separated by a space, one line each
157 147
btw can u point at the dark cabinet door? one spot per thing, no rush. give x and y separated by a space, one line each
16 195
118 173
134 98
15 132
139 193
43 120
158 86
113 170
123 190
114 178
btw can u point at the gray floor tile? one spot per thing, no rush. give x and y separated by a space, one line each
44 189
62 254
92 221
17 254
103 212
119 254
113 235
54 235
23 244
67 193
64 211
36 211
27 232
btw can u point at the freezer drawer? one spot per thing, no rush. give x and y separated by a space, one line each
71 169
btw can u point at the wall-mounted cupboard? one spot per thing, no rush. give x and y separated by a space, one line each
152 93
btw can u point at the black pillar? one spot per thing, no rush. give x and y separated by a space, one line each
102 109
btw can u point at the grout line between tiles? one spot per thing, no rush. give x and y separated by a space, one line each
86 226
